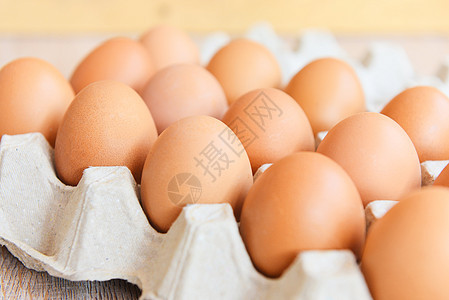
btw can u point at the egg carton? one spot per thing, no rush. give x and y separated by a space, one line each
431 169
98 231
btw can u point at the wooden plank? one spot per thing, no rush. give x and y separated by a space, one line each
18 282
289 16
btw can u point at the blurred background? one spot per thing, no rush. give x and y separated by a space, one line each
233 16
64 31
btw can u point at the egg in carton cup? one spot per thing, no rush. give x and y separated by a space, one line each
98 231
430 169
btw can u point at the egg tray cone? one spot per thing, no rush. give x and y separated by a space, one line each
98 231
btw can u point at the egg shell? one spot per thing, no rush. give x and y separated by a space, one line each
107 124
183 90
423 112
195 160
328 90
242 66
168 45
406 251
34 96
377 154
120 59
304 201
270 125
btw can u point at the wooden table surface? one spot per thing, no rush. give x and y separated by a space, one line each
350 16
18 282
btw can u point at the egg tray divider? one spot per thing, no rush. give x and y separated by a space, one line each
98 231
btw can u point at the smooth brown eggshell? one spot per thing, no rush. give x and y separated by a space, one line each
168 45
423 112
34 96
120 59
270 124
406 251
244 65
328 90
304 201
195 160
377 154
183 90
107 124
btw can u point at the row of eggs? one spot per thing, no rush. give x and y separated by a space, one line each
196 135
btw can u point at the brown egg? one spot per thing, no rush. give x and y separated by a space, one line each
242 66
377 154
406 251
423 113
270 124
34 96
304 201
120 59
107 124
195 160
183 90
328 90
168 46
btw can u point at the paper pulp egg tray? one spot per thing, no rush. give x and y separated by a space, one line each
98 231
